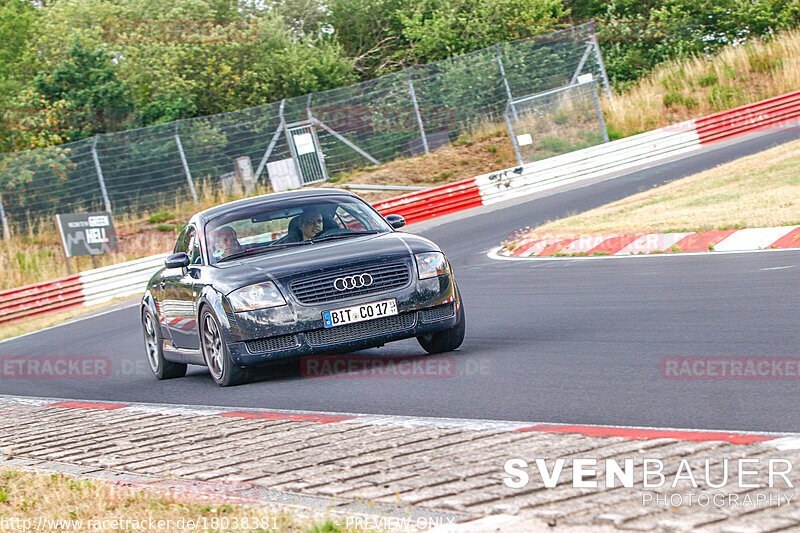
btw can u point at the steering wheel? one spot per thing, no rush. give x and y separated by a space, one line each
332 231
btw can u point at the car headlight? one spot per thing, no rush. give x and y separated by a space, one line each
431 264
259 296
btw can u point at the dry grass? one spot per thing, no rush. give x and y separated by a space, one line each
680 90
760 190
34 496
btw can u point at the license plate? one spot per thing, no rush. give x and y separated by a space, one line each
359 313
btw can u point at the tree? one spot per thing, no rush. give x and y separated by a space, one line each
17 20
87 81
437 29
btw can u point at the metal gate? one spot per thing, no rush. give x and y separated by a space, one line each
306 152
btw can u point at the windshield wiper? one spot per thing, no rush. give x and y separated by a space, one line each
344 235
262 249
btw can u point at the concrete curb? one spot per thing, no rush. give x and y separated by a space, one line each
321 417
450 470
603 246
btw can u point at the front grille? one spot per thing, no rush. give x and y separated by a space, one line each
440 312
320 288
271 344
361 330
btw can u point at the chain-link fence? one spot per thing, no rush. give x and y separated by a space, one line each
555 122
298 140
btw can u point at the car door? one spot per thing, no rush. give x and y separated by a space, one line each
179 304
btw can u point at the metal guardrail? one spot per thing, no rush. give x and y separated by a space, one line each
126 279
749 118
87 288
360 187
117 281
433 202
41 298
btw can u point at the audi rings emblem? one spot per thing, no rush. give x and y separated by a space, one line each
352 282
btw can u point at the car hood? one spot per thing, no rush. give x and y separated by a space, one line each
303 261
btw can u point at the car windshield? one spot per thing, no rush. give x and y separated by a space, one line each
274 226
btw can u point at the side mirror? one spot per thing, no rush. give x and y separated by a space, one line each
395 221
179 260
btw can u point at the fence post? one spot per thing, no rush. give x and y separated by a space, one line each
599 112
600 63
505 80
589 48
272 142
6 233
99 170
417 113
318 145
513 137
185 166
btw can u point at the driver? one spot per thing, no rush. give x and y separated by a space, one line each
311 223
225 242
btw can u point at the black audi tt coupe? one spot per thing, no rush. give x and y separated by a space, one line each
291 274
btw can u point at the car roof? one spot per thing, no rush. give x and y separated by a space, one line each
229 207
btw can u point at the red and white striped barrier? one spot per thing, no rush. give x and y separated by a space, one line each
762 115
90 287
433 202
734 240
102 284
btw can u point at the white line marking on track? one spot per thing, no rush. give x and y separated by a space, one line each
777 268
71 321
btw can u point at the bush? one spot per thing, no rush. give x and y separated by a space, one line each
673 99
158 218
725 97
708 80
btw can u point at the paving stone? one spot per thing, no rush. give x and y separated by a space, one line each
427 467
760 525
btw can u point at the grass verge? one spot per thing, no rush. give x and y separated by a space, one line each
36 499
689 88
760 190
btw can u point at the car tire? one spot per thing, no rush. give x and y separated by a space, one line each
216 354
448 339
162 369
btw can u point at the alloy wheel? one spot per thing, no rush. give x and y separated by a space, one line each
151 342
212 346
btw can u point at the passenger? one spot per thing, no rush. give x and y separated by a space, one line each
225 242
311 224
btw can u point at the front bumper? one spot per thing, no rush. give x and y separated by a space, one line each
424 306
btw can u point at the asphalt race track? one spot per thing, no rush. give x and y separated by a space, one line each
547 341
